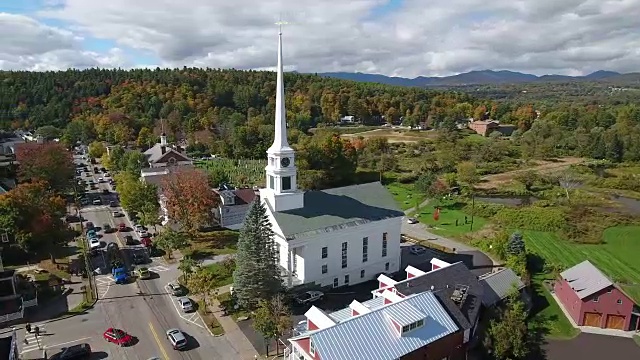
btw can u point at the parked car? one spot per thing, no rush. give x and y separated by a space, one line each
412 220
94 243
176 289
122 227
185 304
146 242
89 225
117 336
140 229
177 339
107 228
75 352
143 273
309 297
417 250
113 204
117 214
97 201
128 240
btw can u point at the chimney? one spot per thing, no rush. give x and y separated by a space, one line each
163 140
163 149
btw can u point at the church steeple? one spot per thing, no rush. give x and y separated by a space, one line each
281 191
280 137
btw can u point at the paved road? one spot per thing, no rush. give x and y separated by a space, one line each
593 347
143 308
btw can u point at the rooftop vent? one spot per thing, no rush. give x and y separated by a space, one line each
459 294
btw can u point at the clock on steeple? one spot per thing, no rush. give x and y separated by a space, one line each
285 162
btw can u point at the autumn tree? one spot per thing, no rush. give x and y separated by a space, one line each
256 275
272 318
138 197
467 173
146 139
332 159
31 214
189 199
49 162
170 240
188 266
97 149
201 281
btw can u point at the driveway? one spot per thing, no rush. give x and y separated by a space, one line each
593 347
478 262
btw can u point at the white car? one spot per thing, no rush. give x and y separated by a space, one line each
100 179
185 304
140 229
309 297
412 220
94 243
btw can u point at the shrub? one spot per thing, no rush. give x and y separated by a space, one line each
532 218
408 178
484 210
586 225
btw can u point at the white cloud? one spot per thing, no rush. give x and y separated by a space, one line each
27 44
435 37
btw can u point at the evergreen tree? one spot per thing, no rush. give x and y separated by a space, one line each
257 276
516 245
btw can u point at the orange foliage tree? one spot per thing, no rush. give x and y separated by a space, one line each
49 162
188 198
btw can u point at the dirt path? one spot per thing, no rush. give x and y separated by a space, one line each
543 167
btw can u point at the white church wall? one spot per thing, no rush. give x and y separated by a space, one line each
312 260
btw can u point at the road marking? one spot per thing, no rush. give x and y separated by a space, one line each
159 268
179 312
33 343
155 336
67 343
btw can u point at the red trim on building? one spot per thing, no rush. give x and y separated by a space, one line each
410 275
434 267
354 313
311 325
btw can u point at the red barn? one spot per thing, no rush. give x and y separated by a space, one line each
593 300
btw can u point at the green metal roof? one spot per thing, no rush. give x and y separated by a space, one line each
338 208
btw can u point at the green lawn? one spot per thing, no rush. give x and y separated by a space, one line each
446 224
548 315
208 244
617 257
222 276
404 195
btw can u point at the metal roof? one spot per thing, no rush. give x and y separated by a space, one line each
585 279
499 285
338 208
345 314
404 314
373 336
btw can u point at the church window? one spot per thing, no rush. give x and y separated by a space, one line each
272 183
365 249
324 269
361 274
386 267
286 183
384 245
325 252
346 279
335 282
344 255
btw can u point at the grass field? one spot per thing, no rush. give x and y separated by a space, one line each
446 224
404 195
547 313
617 257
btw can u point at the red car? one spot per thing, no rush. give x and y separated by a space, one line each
122 227
117 336
146 241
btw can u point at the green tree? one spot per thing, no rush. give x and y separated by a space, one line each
516 245
508 336
97 149
424 182
170 240
467 173
527 178
272 318
48 132
257 275
146 139
201 282
188 265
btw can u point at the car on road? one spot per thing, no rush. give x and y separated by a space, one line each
146 241
107 228
412 221
116 214
309 297
185 304
417 250
89 225
117 336
143 273
177 339
113 204
122 227
176 289
97 202
128 240
80 351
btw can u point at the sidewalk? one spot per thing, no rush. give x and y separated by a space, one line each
233 333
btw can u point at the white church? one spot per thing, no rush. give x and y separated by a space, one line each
334 237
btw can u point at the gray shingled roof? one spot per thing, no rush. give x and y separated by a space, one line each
498 285
585 279
155 153
338 208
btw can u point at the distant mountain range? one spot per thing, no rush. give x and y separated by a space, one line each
479 78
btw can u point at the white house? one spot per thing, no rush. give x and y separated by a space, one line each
333 237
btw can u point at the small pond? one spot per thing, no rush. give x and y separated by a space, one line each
507 200
628 205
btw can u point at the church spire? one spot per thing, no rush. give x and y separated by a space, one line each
280 139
